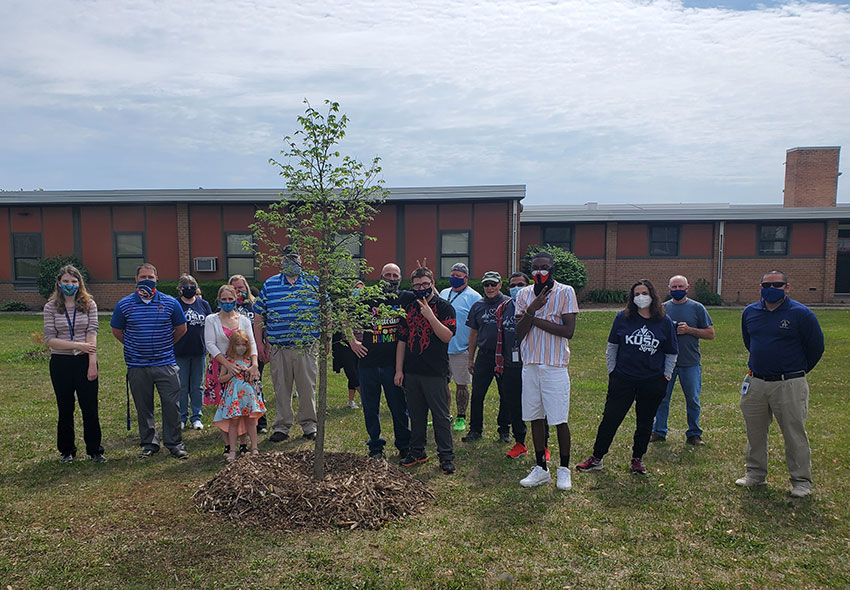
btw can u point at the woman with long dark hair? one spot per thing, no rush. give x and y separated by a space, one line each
641 356
70 330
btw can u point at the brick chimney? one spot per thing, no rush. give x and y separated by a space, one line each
811 176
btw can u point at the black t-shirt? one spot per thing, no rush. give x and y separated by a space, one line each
192 343
426 354
482 317
381 336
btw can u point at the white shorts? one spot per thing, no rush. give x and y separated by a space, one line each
545 393
459 368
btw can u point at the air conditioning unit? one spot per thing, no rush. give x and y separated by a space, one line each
206 264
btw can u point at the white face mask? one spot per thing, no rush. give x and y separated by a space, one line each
240 350
642 301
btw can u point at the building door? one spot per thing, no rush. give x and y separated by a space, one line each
842 271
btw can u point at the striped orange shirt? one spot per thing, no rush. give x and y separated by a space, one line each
539 347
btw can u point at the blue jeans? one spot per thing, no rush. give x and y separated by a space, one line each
191 382
371 381
691 380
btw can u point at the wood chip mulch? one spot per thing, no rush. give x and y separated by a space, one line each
277 490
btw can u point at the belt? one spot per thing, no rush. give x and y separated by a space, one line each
782 377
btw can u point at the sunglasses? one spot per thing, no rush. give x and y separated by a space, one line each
774 284
490 284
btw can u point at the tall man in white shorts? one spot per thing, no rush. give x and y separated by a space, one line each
545 321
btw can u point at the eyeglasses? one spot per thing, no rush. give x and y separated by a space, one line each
490 284
422 286
774 284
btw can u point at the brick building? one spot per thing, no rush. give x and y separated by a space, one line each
808 237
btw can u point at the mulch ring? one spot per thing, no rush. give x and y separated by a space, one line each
277 490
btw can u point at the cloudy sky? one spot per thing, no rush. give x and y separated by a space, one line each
615 101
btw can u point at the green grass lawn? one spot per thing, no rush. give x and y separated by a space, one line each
132 524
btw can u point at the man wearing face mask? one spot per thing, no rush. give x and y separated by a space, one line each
546 320
377 364
692 323
461 297
288 306
785 342
148 323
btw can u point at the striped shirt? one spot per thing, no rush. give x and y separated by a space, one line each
148 329
59 325
539 347
291 311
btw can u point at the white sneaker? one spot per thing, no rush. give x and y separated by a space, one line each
197 425
565 481
537 477
182 426
353 405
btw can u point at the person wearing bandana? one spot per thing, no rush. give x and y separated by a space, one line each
148 323
785 342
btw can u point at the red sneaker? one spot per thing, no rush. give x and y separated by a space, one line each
591 464
518 450
637 466
547 454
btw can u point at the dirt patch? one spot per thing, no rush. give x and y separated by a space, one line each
277 490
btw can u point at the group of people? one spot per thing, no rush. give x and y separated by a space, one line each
413 346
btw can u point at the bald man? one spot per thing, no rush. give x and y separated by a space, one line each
376 352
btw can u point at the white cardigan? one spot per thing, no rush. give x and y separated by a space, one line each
217 341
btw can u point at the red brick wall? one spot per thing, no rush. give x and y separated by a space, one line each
5 247
162 240
420 238
589 240
58 233
491 238
811 177
383 249
807 239
97 242
529 234
697 239
632 240
740 239
206 238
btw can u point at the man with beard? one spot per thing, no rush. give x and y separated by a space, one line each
545 321
377 352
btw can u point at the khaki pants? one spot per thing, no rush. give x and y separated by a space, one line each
298 366
789 402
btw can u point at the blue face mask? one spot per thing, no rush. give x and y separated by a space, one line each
146 288
678 294
69 289
515 292
456 282
227 306
772 294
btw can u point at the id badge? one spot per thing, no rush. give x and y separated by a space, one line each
745 385
515 356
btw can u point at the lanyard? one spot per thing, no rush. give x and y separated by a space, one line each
458 294
70 325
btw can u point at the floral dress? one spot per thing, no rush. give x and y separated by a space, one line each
239 398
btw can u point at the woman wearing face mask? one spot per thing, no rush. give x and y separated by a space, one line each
70 330
641 356
218 328
190 351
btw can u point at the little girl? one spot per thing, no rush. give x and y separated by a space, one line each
241 403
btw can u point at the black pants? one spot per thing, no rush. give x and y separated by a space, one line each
68 374
425 393
510 403
261 421
646 394
482 376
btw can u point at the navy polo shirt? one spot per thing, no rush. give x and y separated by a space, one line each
785 340
148 329
291 311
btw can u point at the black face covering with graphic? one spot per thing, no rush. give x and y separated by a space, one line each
542 278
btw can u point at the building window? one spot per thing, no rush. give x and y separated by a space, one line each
26 252
559 235
454 248
664 240
240 257
773 240
353 242
129 253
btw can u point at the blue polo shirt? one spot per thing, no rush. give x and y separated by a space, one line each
785 340
291 311
462 303
148 329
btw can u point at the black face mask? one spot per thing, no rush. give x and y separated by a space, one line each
189 292
422 293
540 283
391 285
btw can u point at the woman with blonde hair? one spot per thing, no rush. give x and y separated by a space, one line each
70 330
190 351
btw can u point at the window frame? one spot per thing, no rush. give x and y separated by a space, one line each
760 240
677 243
118 256
548 226
16 256
465 257
243 255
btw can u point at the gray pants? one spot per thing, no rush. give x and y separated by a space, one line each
142 381
789 402
425 393
297 366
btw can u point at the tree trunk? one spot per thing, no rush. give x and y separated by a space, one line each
321 407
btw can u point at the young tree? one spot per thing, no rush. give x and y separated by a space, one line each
328 202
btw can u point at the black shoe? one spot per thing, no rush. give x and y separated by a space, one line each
472 436
376 454
410 460
447 467
226 450
505 437
145 453
309 435
243 449
67 459
97 458
655 437
278 437
179 454
695 440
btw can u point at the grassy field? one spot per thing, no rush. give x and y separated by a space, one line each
132 524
